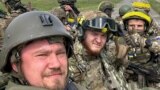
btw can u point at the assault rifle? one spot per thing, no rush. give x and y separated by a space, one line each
150 75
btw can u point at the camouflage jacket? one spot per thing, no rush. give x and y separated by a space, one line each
143 68
95 72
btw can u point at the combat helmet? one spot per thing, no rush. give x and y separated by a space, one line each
105 5
28 27
63 2
124 9
137 15
98 21
141 5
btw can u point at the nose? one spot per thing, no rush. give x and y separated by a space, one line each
53 61
99 39
135 28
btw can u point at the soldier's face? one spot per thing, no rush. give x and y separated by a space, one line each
45 65
136 24
94 41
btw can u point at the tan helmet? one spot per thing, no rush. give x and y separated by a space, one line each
59 12
27 27
98 21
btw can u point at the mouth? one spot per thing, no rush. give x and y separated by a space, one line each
54 74
96 45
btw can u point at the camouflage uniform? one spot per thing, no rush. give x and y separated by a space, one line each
2 27
14 6
99 72
95 72
143 68
14 80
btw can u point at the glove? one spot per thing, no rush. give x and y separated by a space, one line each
153 44
135 40
130 41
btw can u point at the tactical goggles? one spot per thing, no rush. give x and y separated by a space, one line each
101 23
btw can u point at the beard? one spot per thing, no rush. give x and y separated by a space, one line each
93 51
57 83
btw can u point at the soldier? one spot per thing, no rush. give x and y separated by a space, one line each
36 57
106 7
146 7
123 10
14 6
68 14
90 65
143 68
69 5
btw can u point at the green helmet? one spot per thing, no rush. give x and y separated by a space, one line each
63 2
124 9
105 5
30 26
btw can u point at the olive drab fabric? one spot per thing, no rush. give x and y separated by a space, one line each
14 86
4 78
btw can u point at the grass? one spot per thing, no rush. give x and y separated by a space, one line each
49 4
81 4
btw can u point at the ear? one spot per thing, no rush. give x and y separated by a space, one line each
14 67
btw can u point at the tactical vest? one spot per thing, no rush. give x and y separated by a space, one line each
142 67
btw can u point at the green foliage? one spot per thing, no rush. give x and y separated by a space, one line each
81 4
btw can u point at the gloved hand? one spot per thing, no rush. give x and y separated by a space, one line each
153 44
135 40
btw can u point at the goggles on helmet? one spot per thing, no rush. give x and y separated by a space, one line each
102 23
